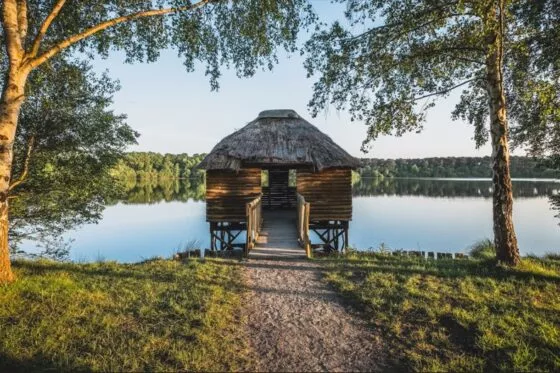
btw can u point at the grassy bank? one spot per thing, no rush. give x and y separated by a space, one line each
457 315
159 315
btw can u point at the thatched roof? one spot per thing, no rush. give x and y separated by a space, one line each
278 137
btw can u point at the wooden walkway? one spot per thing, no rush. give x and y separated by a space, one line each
278 237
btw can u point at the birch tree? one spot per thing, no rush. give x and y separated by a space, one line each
244 35
395 58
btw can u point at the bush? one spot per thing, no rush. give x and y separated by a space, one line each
552 256
483 249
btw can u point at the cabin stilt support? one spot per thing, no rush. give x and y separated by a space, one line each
333 234
223 235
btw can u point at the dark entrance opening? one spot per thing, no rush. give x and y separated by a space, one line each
279 195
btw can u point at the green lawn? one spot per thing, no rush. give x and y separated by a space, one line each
457 315
159 315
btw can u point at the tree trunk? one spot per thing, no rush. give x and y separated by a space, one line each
505 240
13 95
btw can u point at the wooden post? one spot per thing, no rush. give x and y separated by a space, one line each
248 235
253 222
307 210
346 237
212 238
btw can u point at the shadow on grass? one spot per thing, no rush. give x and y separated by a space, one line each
115 272
412 315
445 268
133 271
36 363
284 264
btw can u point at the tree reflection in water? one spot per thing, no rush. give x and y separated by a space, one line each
166 190
449 188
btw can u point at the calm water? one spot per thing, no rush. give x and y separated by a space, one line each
425 214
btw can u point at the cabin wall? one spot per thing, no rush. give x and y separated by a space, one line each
227 192
329 192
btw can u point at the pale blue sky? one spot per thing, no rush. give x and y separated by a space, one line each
175 111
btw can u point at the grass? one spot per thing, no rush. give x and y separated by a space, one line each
158 315
457 315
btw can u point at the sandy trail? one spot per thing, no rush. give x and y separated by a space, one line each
296 323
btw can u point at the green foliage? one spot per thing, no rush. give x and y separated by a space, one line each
154 316
69 138
156 166
457 315
520 167
552 256
484 249
243 35
388 62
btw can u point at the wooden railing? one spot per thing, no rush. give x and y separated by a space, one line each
303 209
254 220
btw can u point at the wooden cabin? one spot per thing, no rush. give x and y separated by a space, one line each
278 141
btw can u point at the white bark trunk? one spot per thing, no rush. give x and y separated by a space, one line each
11 100
505 240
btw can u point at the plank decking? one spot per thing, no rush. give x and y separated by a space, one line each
278 237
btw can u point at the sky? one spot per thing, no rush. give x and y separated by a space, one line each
176 112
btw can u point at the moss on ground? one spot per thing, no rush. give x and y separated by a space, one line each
457 315
158 315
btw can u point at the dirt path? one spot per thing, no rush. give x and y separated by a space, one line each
296 323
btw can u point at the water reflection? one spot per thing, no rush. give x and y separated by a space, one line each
155 191
450 188
159 217
162 190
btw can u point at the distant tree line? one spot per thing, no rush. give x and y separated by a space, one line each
150 166
154 166
521 167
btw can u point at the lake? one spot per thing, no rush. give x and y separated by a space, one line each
444 215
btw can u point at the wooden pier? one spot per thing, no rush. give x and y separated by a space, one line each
278 238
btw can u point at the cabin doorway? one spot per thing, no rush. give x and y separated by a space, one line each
278 192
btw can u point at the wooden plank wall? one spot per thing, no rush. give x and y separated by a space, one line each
279 194
329 192
227 192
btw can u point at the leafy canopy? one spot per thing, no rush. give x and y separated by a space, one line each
67 140
243 35
389 62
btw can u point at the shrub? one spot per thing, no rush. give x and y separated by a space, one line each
483 249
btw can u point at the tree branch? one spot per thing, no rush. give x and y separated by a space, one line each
22 19
110 23
443 91
26 162
45 26
389 27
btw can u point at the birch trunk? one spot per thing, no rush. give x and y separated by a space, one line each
505 240
10 104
